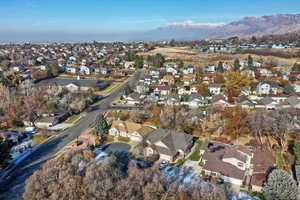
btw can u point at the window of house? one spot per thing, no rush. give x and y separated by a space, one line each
213 174
240 164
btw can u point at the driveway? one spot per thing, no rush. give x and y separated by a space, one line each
117 147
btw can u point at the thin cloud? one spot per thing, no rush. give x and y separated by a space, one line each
194 24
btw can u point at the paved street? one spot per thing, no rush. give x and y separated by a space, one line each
14 186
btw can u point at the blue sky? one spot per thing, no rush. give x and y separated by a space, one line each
105 16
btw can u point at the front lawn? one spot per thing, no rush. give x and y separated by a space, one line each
180 162
195 156
199 142
107 139
124 139
279 160
72 119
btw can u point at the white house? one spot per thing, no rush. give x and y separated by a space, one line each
129 65
134 131
188 70
267 88
85 70
215 89
210 69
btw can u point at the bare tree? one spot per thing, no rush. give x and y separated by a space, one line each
76 175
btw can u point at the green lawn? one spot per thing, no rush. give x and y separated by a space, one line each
72 119
199 142
180 162
195 156
279 160
123 139
108 139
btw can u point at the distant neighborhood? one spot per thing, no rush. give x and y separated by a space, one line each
227 110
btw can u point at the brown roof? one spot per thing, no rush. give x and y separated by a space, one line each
226 169
163 87
168 78
214 154
189 77
263 162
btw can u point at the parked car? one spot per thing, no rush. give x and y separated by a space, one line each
163 164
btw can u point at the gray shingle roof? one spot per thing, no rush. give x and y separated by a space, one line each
293 100
174 140
267 100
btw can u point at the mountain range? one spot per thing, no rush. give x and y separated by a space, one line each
246 27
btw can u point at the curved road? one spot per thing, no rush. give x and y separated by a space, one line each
15 184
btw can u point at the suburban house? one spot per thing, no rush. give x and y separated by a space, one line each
188 79
85 70
162 90
48 121
129 65
171 67
293 101
210 69
136 132
168 79
265 72
154 73
133 99
196 100
74 84
185 90
225 161
269 103
188 70
215 89
296 87
72 70
267 88
142 89
244 102
168 144
263 162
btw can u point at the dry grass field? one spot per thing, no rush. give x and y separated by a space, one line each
189 56
196 58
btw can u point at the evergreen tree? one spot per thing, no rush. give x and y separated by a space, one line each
181 64
280 186
138 62
102 126
296 67
236 65
250 61
220 67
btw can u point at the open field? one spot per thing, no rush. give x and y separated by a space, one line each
194 57
188 55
